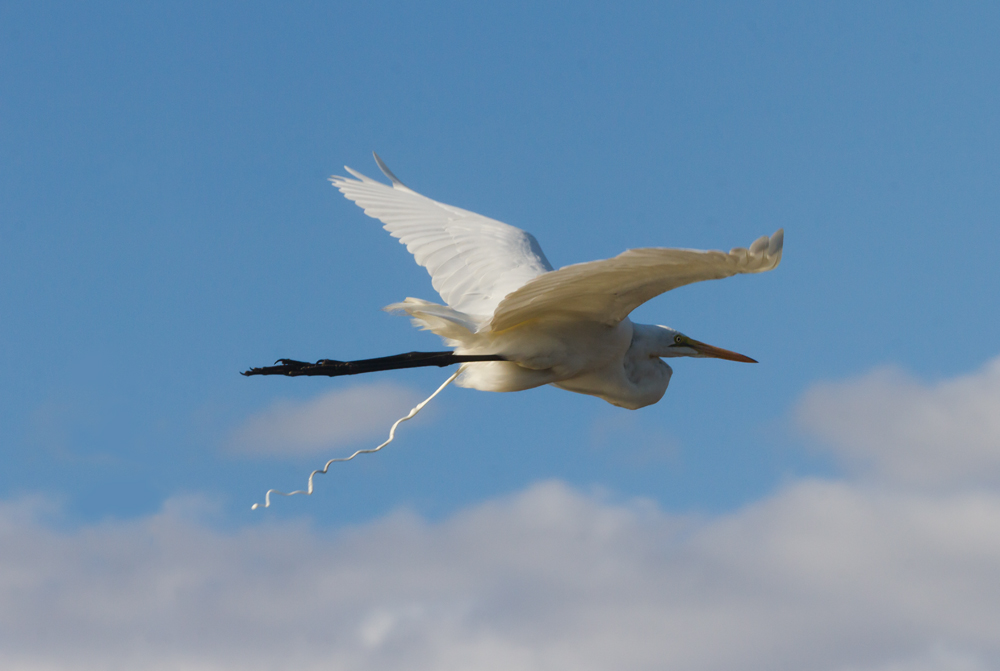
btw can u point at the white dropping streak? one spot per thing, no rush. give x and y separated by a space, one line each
392 434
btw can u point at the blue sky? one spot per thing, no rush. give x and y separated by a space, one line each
165 222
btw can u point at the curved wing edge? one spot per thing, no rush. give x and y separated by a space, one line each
607 291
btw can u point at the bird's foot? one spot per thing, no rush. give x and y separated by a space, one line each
294 368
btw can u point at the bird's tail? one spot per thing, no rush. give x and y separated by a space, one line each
457 328
475 346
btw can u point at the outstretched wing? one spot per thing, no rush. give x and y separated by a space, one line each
474 261
607 291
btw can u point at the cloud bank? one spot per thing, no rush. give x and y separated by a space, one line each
821 576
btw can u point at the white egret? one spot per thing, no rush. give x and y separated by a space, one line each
514 323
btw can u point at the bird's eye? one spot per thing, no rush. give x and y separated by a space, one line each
678 339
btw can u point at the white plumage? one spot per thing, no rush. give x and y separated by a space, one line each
474 261
567 327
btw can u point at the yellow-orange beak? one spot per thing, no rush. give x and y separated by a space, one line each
717 352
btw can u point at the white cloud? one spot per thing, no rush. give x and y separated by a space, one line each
821 576
336 418
890 425
936 658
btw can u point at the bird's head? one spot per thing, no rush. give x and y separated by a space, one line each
673 343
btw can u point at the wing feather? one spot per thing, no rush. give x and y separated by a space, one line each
473 261
607 291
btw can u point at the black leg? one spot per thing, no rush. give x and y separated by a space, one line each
334 368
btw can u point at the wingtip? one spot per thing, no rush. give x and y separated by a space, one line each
388 173
776 242
340 181
765 250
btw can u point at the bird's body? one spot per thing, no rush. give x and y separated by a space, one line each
536 325
611 361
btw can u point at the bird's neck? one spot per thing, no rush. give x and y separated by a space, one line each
651 340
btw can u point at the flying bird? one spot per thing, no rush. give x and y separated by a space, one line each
514 322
